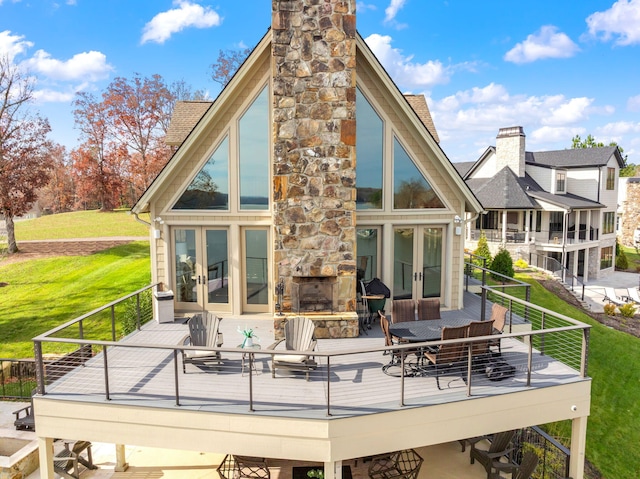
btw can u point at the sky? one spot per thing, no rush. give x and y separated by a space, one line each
556 68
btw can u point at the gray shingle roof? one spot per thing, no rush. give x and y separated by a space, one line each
573 158
566 201
504 191
463 167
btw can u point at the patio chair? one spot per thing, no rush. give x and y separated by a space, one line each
480 352
25 420
203 331
236 467
524 470
403 310
499 318
448 356
67 460
404 464
610 295
500 447
298 336
428 308
632 295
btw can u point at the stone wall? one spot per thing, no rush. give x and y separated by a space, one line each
631 216
313 51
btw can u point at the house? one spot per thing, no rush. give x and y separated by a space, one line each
549 206
308 170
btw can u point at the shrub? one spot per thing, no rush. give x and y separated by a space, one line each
482 250
130 316
502 264
610 309
521 264
622 263
627 310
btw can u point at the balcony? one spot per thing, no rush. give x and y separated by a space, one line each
133 390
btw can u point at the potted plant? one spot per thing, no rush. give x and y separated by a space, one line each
248 337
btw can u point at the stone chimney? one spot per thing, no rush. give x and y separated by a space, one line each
510 149
314 80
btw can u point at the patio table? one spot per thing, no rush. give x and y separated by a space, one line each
424 330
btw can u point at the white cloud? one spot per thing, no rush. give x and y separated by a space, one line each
87 66
188 14
567 112
13 45
403 71
362 7
619 128
622 20
546 43
633 103
554 134
52 96
392 10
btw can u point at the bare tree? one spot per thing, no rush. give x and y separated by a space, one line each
227 64
24 147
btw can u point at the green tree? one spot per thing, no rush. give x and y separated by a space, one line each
503 264
590 142
622 263
482 250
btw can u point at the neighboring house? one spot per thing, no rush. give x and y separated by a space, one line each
628 223
547 206
309 170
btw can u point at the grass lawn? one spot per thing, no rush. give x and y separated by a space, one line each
613 431
44 293
81 224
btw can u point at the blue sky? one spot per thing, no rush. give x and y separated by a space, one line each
557 68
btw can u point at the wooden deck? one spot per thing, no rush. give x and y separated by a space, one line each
348 382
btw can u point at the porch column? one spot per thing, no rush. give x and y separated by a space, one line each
45 454
333 470
504 226
578 445
585 266
121 460
588 226
527 225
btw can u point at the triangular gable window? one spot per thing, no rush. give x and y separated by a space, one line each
370 148
209 190
253 156
410 188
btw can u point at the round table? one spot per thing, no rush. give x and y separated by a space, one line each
250 350
425 330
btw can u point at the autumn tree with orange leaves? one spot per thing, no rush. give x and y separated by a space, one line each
58 196
24 147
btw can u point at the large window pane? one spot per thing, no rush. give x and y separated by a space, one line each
185 265
432 262
257 266
410 189
217 266
369 145
254 155
367 250
210 188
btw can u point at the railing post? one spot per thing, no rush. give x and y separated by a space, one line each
401 377
328 386
106 372
529 360
469 366
176 375
483 304
542 318
527 296
37 350
113 323
251 382
584 360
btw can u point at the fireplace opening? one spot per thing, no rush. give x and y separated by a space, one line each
313 294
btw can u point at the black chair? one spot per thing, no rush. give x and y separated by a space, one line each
500 447
403 464
524 470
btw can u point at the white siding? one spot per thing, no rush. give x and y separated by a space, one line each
585 182
488 168
543 176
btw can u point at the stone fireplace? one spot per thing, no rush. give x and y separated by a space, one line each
314 91
313 294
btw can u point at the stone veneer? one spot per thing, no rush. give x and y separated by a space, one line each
314 80
631 216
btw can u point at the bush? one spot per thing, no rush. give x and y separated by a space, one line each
622 263
627 310
502 264
483 251
521 264
610 309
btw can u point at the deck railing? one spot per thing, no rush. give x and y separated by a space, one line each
139 368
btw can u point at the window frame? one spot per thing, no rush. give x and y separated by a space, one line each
611 179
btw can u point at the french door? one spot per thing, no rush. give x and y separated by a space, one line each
201 269
418 254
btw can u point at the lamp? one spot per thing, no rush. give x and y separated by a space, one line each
458 221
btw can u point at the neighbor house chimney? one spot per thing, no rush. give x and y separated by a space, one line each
510 149
314 91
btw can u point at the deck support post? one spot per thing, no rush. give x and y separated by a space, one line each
578 446
121 460
45 453
333 470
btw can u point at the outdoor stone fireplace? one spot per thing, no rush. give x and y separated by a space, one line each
314 91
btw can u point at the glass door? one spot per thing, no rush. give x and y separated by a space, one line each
255 271
417 262
201 266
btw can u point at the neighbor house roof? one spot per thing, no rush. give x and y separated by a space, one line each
463 167
574 157
504 190
419 105
185 116
567 201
